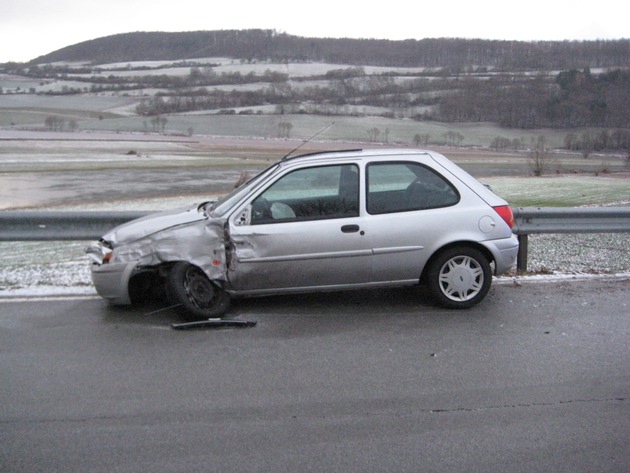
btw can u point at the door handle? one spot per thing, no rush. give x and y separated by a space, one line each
350 228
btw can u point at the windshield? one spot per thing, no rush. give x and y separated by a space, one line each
223 205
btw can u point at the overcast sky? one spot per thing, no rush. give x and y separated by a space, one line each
31 28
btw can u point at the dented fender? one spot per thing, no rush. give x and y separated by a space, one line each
200 243
165 237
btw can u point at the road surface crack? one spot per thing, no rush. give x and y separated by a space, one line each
532 404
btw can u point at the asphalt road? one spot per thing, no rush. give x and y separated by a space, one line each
536 378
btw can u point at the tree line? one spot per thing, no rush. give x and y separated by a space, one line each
570 99
574 99
261 45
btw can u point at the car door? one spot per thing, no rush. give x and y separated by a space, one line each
302 231
408 210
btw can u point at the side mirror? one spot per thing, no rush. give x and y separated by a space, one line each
244 217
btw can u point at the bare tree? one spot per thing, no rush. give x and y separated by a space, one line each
500 143
587 144
159 123
421 139
453 138
55 123
284 129
373 133
539 157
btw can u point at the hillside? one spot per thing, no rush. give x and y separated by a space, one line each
261 83
269 45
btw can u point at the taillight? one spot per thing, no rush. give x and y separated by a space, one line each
505 212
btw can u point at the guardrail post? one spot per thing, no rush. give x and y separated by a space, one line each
521 260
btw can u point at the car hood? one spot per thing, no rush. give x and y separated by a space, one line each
153 223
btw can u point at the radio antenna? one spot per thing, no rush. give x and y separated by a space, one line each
310 139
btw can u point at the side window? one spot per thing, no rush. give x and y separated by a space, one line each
405 186
310 194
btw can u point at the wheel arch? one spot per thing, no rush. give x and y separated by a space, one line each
465 243
146 282
162 268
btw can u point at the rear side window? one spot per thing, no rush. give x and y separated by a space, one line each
406 186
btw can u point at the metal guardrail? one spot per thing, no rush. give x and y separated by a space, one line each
528 220
536 220
59 226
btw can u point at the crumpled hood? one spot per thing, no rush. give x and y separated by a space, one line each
153 223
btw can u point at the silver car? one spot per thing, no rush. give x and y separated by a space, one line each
319 222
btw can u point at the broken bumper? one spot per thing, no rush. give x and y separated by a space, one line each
111 281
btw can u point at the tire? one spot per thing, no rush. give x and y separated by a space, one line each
459 277
200 298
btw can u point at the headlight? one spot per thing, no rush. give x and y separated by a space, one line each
100 252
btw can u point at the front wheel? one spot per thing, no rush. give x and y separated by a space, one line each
188 286
459 277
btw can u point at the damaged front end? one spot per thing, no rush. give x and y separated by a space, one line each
131 262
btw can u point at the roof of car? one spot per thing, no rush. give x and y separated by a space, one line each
345 153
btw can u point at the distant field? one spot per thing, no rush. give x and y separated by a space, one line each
194 150
519 192
118 169
115 114
115 111
564 191
394 131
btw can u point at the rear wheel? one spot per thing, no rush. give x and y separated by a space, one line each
200 298
459 277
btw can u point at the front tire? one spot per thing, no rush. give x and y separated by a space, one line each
200 298
459 277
